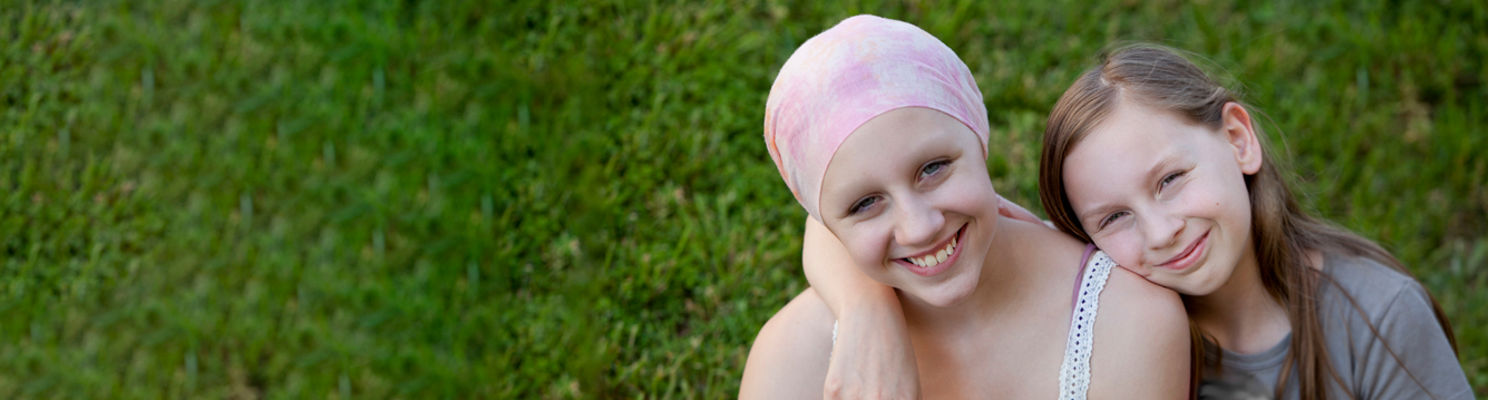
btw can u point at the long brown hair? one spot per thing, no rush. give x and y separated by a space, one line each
1283 233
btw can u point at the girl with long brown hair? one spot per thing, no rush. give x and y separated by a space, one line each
1151 160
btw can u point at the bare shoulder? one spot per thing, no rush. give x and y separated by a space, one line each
1036 244
1130 305
790 354
1141 341
1126 287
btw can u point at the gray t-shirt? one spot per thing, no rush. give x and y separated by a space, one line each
1398 308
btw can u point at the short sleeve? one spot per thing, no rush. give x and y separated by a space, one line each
1426 367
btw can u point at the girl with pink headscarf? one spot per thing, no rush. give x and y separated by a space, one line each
880 132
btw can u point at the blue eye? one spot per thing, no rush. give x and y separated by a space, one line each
862 205
933 168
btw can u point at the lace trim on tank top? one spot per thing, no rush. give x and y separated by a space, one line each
1074 372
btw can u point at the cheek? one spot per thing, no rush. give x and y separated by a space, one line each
969 193
1217 202
1123 247
866 242
1238 201
1223 192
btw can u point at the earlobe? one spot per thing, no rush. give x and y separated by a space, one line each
1242 137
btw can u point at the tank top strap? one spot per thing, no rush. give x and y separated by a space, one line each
1080 275
1074 371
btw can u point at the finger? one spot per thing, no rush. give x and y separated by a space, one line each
1009 209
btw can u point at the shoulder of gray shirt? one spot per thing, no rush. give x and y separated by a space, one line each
1373 286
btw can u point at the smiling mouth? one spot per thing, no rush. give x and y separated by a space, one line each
1188 256
933 258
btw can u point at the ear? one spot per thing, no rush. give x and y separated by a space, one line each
1240 133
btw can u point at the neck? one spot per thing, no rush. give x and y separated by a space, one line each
1242 316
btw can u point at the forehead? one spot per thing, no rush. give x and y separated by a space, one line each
1118 153
893 140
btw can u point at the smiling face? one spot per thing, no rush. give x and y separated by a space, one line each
908 195
1166 197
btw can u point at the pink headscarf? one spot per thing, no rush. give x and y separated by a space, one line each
861 68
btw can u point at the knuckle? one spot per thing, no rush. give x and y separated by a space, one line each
833 388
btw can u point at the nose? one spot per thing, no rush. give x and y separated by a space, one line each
1160 229
917 222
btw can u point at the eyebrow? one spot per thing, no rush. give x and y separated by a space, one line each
1154 173
1098 213
923 153
858 191
1165 161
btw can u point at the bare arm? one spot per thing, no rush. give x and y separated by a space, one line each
872 356
1015 211
789 357
1141 342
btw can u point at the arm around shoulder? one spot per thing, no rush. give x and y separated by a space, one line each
1141 342
789 357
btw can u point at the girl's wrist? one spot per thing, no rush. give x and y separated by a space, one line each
879 300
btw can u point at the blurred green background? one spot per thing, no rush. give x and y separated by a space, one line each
533 199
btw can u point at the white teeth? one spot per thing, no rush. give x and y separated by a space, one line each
936 258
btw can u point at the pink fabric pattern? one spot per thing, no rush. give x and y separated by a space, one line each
861 68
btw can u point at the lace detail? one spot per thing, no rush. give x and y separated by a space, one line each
1074 372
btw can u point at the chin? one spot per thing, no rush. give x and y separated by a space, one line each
950 292
1194 287
941 300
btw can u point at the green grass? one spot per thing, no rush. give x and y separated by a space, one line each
519 199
